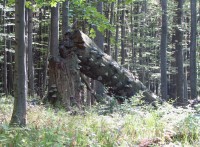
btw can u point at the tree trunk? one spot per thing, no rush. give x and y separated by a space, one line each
135 33
117 31
193 71
108 32
65 82
53 50
20 85
172 91
99 40
163 51
30 53
10 64
65 16
68 93
179 55
99 66
123 34
5 73
54 30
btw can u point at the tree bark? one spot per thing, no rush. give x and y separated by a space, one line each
123 33
5 73
163 51
193 71
53 52
97 65
20 83
117 31
30 53
99 40
10 64
68 93
54 30
65 16
179 55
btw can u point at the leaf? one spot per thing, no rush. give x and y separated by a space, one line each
53 4
92 33
10 2
28 4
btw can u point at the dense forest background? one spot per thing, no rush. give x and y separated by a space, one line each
129 31
82 55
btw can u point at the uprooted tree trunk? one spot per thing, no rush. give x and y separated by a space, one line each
100 66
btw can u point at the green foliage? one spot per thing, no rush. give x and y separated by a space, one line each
190 131
92 33
11 2
53 3
86 11
96 19
49 127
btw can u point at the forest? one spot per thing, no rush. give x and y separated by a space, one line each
97 73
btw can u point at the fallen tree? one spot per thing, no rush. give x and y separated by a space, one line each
99 66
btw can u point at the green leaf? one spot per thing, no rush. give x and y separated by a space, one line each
92 33
28 4
53 4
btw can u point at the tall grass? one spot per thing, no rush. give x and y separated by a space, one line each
128 125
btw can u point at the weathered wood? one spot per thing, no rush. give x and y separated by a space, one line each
99 66
65 82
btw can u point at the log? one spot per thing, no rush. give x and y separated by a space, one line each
99 66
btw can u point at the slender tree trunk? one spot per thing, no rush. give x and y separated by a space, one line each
99 40
193 69
53 52
5 73
65 17
132 38
44 88
10 64
123 33
163 51
54 31
135 31
117 31
109 34
45 58
65 28
172 85
142 48
30 53
179 55
19 110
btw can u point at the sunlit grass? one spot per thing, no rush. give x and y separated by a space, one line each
128 125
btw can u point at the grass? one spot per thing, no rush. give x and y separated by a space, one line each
126 126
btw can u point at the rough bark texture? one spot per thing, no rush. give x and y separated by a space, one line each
70 89
30 54
193 40
65 84
5 73
123 31
65 16
100 66
179 55
99 40
163 51
20 83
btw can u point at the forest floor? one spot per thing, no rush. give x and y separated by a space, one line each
105 125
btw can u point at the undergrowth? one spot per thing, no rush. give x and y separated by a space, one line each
108 125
